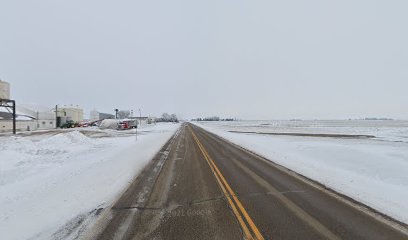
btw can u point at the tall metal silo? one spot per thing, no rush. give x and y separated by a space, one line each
4 90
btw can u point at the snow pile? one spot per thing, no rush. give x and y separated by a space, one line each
69 138
17 145
51 145
371 171
49 182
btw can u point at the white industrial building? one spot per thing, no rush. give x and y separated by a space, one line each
29 117
67 113
4 90
43 117
95 116
21 125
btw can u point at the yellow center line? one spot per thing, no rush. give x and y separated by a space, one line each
247 233
222 182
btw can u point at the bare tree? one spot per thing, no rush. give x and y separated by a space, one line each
123 114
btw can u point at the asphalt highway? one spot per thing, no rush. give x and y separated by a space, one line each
200 186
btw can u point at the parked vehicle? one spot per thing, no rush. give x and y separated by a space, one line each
70 124
127 124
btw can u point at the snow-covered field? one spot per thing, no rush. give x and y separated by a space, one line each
51 182
382 130
372 171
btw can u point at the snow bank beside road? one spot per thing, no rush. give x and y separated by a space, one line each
387 130
46 182
370 171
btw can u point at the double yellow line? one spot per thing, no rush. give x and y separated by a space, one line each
236 206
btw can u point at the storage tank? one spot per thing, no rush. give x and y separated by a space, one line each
4 90
109 124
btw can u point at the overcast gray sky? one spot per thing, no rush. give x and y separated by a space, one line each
246 59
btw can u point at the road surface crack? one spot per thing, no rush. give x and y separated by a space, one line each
207 200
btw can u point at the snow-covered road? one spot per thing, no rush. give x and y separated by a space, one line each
49 183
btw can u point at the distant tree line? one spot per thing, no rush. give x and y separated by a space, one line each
214 118
122 114
377 119
167 118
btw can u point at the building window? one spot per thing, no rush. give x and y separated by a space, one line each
51 123
43 123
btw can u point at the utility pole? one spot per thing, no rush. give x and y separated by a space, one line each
6 104
56 116
14 117
136 127
140 115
